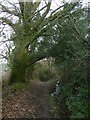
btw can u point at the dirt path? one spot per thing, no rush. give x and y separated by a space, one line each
30 103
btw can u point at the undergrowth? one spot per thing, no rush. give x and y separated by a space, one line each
19 86
54 106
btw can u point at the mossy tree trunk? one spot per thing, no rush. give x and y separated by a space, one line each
18 73
18 70
23 64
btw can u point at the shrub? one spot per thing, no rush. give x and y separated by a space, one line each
46 75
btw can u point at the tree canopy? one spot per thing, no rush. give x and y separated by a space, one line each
29 21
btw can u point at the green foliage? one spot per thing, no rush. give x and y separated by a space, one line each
46 75
54 106
42 72
70 53
78 107
19 86
45 70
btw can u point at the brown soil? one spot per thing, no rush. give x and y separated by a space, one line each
29 103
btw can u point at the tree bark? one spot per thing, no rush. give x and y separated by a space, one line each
18 72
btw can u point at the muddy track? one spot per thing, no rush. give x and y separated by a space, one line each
30 103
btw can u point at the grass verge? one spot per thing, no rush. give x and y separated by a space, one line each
54 106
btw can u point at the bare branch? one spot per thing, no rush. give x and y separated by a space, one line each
13 12
3 56
3 42
7 21
38 12
8 49
57 9
36 5
22 8
59 14
14 5
38 21
46 12
28 14
76 30
81 61
74 54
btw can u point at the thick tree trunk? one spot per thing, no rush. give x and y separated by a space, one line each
23 65
18 73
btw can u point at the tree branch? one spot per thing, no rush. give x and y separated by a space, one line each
3 42
81 61
37 12
7 21
76 30
36 57
13 12
28 13
3 56
59 14
44 26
